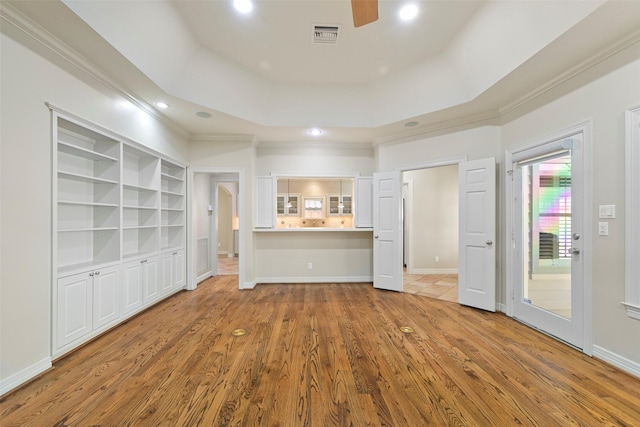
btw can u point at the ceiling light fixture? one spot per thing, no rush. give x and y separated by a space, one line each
408 12
243 6
340 204
315 132
411 124
203 114
162 105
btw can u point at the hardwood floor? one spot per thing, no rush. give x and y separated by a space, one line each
322 355
227 265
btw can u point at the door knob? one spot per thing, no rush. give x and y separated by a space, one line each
574 251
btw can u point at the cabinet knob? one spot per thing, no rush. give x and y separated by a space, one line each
175 253
97 273
90 274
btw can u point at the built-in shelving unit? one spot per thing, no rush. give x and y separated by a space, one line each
88 190
119 238
172 206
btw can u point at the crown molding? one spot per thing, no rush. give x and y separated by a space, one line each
459 123
13 16
231 137
571 73
293 145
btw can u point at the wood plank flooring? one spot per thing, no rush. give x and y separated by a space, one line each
322 355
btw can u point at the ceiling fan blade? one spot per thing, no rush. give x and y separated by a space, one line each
364 12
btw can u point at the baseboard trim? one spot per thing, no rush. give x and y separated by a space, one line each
324 279
25 375
203 276
616 360
434 271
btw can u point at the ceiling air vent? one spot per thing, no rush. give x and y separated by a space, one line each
326 34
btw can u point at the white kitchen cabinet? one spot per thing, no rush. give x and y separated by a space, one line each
363 214
265 200
288 204
334 207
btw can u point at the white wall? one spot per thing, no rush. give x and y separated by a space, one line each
315 160
340 256
28 81
474 143
225 222
602 103
225 155
202 222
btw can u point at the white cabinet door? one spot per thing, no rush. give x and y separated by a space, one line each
364 202
173 271
265 202
150 282
179 270
167 273
132 286
106 294
74 308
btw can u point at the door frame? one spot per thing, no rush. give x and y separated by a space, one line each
587 184
244 219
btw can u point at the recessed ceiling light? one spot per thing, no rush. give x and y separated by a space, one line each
315 132
203 114
162 105
243 6
408 12
411 124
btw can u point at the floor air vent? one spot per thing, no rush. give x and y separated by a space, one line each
326 34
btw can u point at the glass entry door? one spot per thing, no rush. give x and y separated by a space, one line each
548 290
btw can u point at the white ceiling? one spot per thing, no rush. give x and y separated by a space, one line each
261 75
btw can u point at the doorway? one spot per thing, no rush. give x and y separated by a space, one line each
430 235
215 231
476 231
548 233
227 228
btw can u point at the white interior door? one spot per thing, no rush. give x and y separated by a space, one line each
548 235
387 231
477 251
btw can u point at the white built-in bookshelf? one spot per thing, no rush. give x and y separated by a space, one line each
119 229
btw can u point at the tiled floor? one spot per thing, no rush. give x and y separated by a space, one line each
227 265
438 286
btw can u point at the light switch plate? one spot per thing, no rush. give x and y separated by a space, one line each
607 211
603 228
